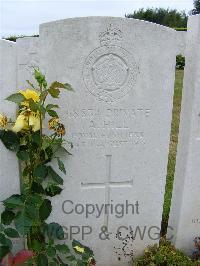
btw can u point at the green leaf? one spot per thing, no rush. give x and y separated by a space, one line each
53 263
56 85
30 262
54 92
51 251
4 250
49 153
41 109
13 202
5 241
42 260
68 87
65 150
37 188
59 85
2 238
53 231
51 106
37 246
10 140
53 190
41 171
56 178
71 258
45 209
7 217
31 211
61 166
43 95
23 223
26 171
12 233
81 263
52 113
35 199
36 137
61 262
1 227
33 106
31 84
16 98
40 78
63 248
23 155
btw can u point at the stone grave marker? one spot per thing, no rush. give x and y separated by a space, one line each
119 120
185 207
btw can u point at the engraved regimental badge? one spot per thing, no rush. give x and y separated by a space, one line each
110 71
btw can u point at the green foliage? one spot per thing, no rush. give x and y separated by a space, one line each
164 254
196 9
167 17
59 85
7 216
5 242
180 62
16 98
13 38
172 148
10 140
61 166
45 210
25 214
180 29
3 251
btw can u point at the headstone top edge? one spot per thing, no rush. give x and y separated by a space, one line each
194 16
193 20
2 41
104 18
27 38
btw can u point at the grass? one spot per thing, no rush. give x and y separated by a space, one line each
173 147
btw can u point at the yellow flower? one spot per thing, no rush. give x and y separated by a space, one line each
91 262
79 249
53 122
34 121
30 94
26 120
3 121
21 123
60 130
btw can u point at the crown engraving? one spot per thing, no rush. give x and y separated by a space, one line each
112 36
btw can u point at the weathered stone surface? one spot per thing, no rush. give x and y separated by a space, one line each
119 120
185 215
27 59
181 36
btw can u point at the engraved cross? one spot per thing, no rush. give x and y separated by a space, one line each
107 185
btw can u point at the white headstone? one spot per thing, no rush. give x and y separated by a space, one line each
119 120
181 35
185 215
9 170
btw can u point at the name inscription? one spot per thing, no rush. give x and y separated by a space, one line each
111 127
